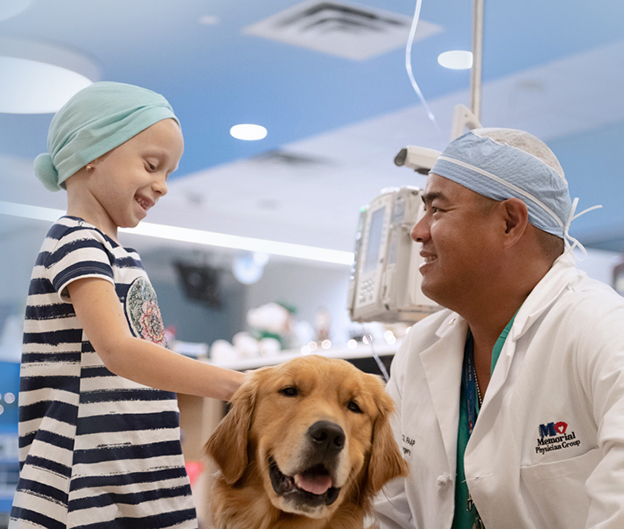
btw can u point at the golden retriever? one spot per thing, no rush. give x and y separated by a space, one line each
306 444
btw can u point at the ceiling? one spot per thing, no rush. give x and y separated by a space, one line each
335 122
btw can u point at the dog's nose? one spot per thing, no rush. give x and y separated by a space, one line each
327 435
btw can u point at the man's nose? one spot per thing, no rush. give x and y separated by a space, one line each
420 231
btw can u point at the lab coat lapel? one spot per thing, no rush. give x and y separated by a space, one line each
442 363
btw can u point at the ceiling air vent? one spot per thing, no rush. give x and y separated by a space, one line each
349 31
290 159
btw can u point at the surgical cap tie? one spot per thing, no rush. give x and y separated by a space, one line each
572 242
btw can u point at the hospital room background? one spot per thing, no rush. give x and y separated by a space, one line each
293 112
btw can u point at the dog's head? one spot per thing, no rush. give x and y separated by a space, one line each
313 432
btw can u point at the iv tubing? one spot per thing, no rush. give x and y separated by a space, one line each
408 67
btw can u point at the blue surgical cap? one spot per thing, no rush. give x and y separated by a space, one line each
508 163
93 122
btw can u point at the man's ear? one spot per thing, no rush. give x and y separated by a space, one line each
516 220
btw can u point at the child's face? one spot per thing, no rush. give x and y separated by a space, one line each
129 180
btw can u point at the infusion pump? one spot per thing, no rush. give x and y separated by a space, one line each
384 284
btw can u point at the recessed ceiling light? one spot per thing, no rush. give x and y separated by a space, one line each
209 20
249 267
40 78
248 132
456 59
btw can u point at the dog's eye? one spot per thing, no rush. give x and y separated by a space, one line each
290 391
353 406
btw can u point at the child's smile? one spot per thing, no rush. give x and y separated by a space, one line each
144 202
124 184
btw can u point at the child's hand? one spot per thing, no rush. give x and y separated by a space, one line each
238 379
101 315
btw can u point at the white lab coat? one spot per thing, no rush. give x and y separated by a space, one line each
547 450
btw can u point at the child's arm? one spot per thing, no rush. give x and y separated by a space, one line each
100 313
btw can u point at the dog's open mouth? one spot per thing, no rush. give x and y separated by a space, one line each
313 486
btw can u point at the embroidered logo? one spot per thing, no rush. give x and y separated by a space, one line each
555 436
143 312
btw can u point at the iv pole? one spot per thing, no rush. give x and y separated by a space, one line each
422 159
464 117
477 56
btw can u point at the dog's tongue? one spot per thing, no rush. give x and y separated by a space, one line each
317 484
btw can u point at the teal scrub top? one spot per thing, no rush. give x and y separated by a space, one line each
465 518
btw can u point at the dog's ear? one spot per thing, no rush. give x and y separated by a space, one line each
228 444
386 462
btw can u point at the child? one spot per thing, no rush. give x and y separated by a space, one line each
99 447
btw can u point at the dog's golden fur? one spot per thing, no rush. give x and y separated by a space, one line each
267 435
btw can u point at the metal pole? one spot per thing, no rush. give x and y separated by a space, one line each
477 55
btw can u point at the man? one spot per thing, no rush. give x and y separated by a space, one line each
527 343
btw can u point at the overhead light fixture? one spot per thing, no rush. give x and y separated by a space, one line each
248 267
456 59
249 132
209 20
40 78
11 8
236 242
208 238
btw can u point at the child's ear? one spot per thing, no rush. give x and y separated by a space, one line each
94 163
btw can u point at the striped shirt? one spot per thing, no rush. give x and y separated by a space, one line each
96 450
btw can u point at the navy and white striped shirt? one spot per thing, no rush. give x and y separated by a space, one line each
96 450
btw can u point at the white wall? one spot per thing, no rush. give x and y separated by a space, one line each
308 287
599 264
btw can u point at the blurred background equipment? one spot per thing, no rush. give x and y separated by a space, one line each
9 457
385 279
200 283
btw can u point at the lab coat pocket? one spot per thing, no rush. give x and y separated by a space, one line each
558 489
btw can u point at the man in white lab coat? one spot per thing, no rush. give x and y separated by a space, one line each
527 343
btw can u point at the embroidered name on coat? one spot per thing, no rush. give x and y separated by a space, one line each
555 436
408 443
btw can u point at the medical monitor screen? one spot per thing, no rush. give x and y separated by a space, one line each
374 239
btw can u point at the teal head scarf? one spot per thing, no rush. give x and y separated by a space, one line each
93 122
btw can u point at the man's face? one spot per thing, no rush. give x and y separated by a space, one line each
460 243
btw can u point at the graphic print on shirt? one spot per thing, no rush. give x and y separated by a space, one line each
143 312
555 436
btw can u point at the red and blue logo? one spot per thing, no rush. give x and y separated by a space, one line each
555 436
553 429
